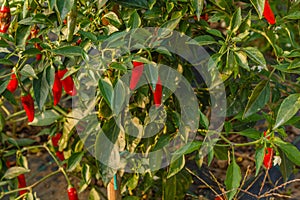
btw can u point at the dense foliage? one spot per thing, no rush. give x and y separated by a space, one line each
47 45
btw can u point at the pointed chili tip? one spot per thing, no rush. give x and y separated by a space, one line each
268 13
72 193
28 105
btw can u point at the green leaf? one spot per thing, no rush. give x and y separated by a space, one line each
2 123
22 34
28 71
94 195
134 20
289 150
74 160
251 133
294 15
4 61
168 26
131 198
241 59
255 55
259 158
286 166
3 86
88 35
118 97
13 172
41 90
39 18
133 3
106 150
10 97
202 40
113 19
287 109
64 7
186 149
106 90
176 166
259 97
236 20
176 186
233 179
203 120
133 181
45 118
198 7
259 6
21 142
118 66
69 51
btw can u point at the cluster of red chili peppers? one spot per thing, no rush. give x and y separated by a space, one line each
268 13
268 157
137 72
60 82
26 98
4 17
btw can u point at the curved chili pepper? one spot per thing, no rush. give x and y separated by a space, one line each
4 17
137 72
157 94
13 83
72 193
55 139
56 89
67 83
268 13
28 105
22 183
60 155
269 152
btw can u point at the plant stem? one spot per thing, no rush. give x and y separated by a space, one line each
31 186
58 164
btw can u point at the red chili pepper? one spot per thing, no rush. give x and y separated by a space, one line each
28 105
67 83
79 41
22 183
265 133
55 139
4 17
13 83
137 72
57 89
38 46
268 13
72 193
219 198
158 93
60 155
269 152
204 17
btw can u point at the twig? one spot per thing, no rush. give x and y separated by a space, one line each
201 180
